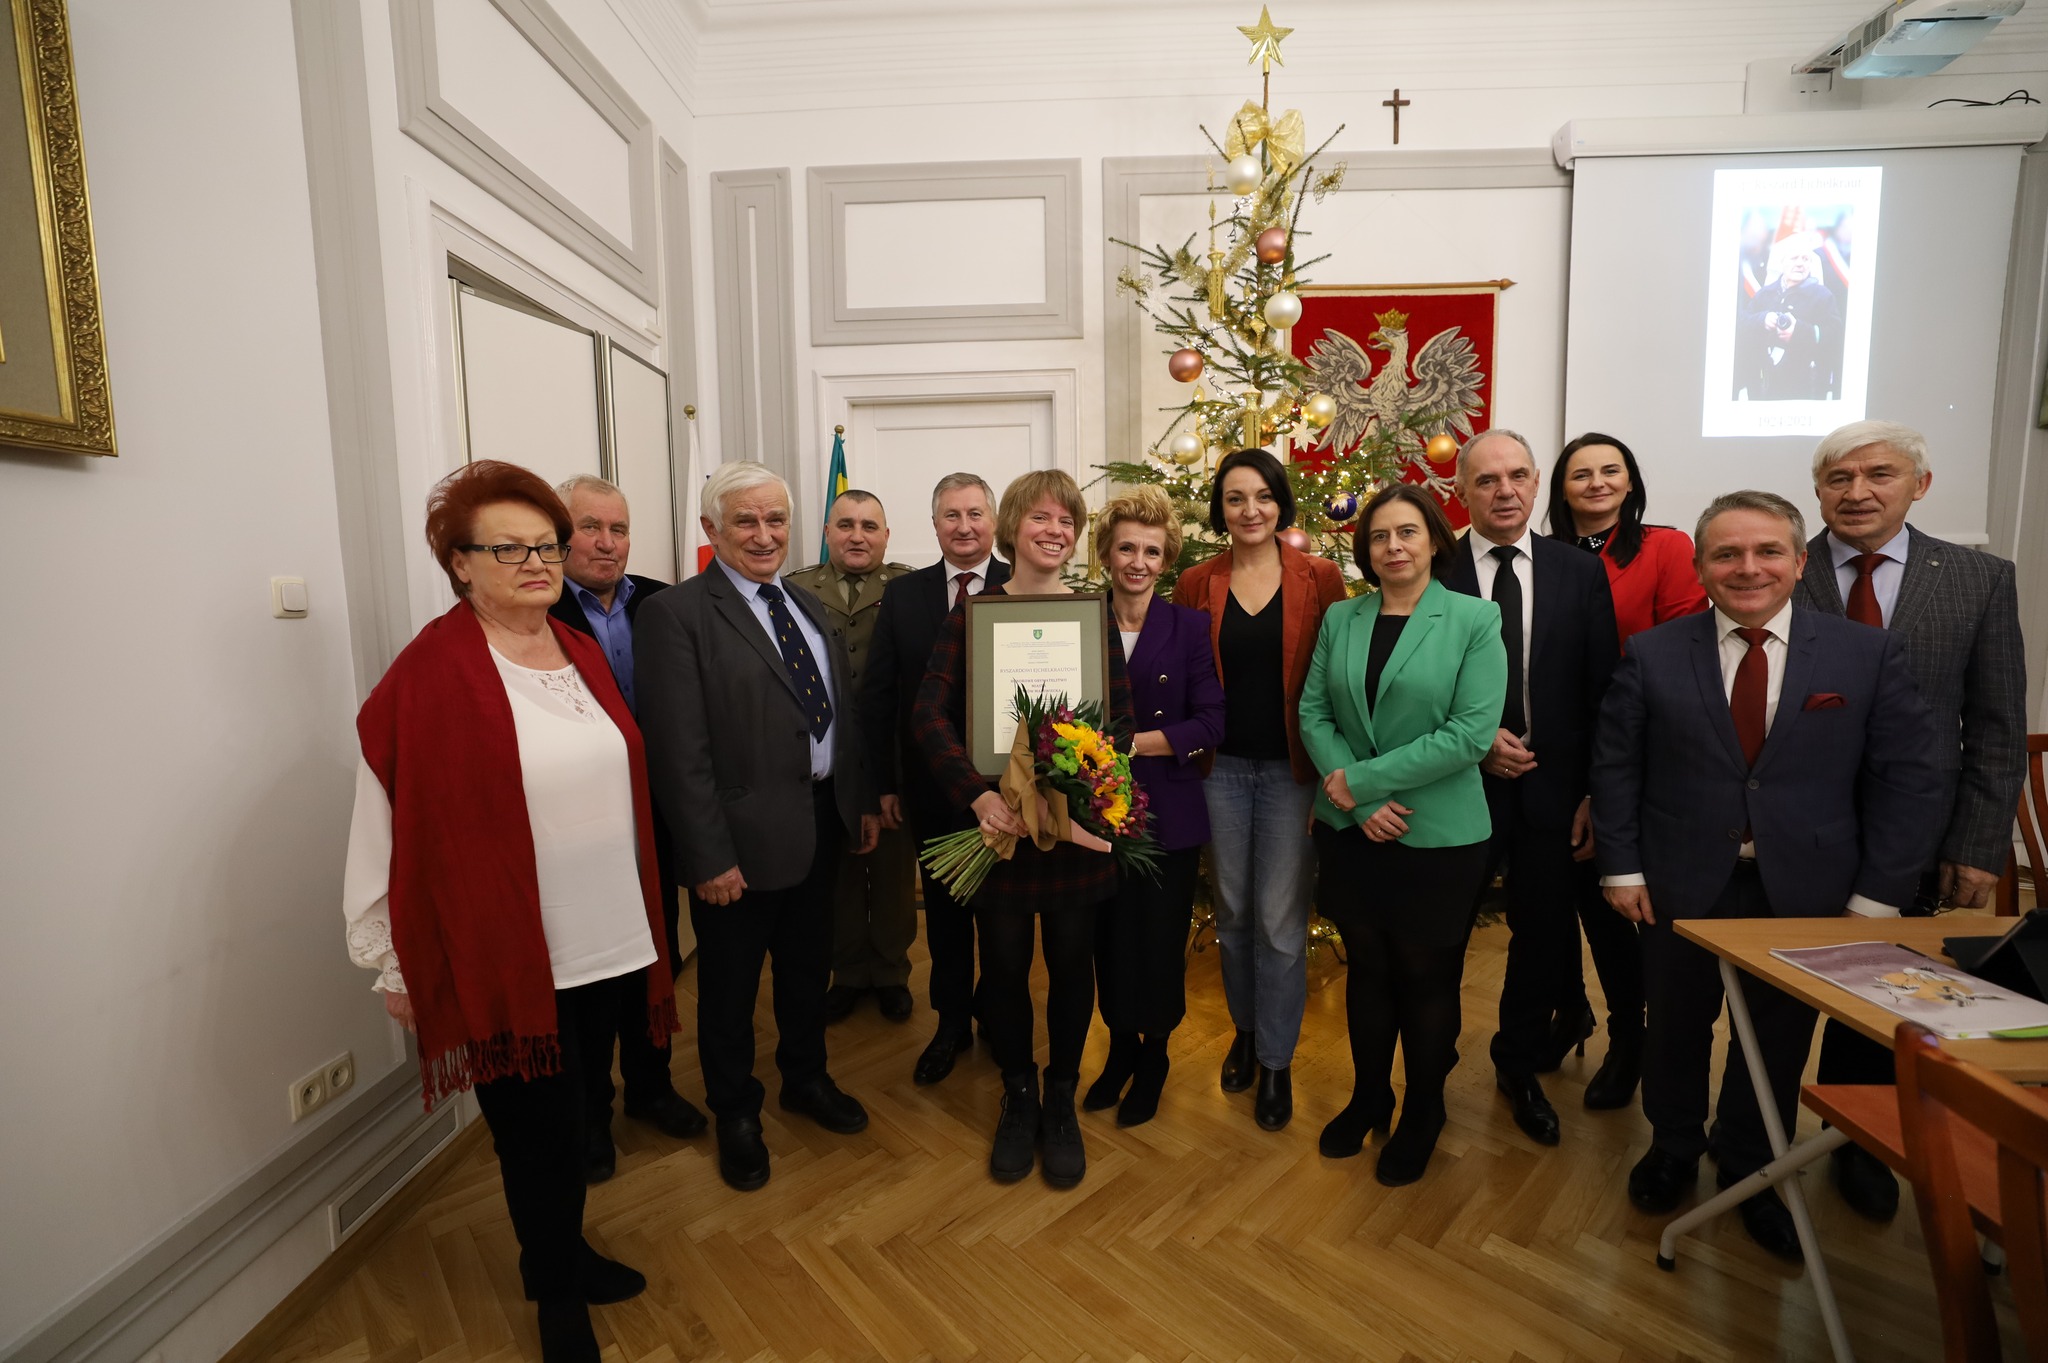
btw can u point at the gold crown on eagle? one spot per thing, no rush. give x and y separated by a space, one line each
1394 320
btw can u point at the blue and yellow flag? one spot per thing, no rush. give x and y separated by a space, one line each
835 483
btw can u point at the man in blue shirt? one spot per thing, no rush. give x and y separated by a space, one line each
601 598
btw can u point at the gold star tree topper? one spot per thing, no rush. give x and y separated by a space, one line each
1265 38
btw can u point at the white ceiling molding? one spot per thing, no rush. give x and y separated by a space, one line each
1054 185
433 121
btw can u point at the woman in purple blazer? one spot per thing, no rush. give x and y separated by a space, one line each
1141 938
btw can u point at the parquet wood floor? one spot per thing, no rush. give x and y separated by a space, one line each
1197 1236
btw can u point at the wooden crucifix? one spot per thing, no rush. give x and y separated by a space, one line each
1397 104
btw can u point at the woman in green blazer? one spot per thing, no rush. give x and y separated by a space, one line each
1402 700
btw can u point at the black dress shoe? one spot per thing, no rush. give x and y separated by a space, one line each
946 1046
1533 1112
671 1114
565 1333
1345 1135
1769 1222
1406 1154
1865 1183
1241 1063
823 1103
606 1281
1660 1181
895 1002
1613 1085
600 1158
1275 1105
1568 1032
840 1001
742 1154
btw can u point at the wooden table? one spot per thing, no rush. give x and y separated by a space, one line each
1744 946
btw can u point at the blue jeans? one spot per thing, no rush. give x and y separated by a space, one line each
1259 860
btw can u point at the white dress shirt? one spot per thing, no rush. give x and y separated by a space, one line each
1485 565
750 592
977 579
1884 578
1734 648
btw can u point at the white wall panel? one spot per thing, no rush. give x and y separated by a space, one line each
529 389
899 450
640 460
945 253
491 73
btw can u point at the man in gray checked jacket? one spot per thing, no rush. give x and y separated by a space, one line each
1957 613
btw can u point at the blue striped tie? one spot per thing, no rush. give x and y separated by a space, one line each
796 656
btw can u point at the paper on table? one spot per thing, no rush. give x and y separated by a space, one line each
1939 997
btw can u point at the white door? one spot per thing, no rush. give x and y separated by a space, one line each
899 448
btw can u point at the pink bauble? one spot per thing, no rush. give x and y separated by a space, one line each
1185 365
1271 245
1295 538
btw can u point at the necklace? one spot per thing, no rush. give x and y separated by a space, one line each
1596 541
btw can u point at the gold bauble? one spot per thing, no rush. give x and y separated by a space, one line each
1186 449
1185 365
1320 411
1441 449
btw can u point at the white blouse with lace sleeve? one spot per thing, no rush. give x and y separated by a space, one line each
366 883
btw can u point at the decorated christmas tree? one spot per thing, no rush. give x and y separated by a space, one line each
1224 314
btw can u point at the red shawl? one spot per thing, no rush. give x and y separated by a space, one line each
465 898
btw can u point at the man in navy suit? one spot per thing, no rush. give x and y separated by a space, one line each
600 598
907 625
1758 760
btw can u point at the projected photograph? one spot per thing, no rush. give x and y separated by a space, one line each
1794 257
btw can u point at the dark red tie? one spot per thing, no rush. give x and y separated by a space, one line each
960 587
1863 596
1746 698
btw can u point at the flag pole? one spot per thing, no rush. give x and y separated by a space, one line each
691 541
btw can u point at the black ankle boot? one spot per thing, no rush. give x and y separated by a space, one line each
1406 1154
1017 1131
1116 1072
1275 1105
565 1333
1568 1032
1346 1133
1141 1104
1613 1085
1241 1063
1064 1160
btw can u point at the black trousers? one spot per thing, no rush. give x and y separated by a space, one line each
1007 935
539 1127
949 937
791 930
643 1065
1141 947
1617 948
1684 986
1543 950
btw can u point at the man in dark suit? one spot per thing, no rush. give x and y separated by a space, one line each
1557 620
874 904
913 608
1957 614
600 598
753 750
1753 761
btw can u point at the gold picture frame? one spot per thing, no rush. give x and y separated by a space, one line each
54 396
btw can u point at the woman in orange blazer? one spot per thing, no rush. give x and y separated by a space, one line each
1265 603
1597 500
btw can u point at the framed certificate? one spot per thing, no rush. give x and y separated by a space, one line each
1052 645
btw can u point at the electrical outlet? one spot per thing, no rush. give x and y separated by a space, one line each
309 1093
341 1074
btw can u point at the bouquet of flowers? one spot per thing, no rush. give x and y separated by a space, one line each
1069 783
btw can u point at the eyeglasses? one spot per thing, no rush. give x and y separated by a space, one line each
516 553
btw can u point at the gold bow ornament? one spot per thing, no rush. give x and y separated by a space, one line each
1286 137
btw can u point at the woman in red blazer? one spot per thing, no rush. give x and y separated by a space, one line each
1597 499
1265 604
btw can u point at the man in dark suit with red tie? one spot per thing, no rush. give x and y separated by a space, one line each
1753 761
1956 611
913 607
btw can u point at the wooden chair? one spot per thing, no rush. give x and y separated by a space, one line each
1939 1095
2033 821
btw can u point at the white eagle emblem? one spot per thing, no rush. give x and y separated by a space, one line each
1445 390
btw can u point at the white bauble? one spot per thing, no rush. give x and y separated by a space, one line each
1283 310
1242 176
1185 449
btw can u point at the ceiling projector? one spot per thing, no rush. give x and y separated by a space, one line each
1911 38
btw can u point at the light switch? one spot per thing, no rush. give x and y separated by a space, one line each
288 597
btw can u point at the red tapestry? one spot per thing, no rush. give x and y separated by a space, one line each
1385 353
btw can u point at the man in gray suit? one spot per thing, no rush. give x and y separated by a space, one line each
1957 613
746 702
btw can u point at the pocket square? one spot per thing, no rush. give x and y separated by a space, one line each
1824 700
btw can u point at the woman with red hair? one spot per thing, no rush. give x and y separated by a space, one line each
501 872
